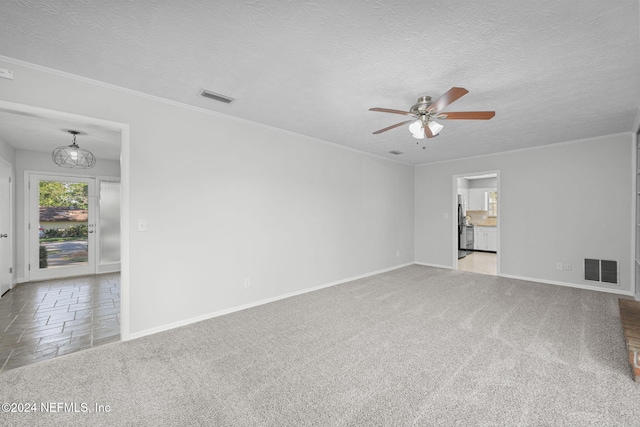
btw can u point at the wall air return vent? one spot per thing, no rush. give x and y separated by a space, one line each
216 96
600 270
592 270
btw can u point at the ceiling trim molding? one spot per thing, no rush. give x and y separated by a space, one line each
110 86
538 147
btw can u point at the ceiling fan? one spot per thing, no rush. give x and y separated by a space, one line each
424 113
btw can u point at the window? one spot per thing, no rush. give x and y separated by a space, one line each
491 202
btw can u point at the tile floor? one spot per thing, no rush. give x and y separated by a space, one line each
479 262
43 320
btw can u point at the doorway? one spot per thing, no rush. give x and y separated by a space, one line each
43 124
6 235
74 225
477 230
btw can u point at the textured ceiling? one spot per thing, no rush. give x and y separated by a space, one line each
553 71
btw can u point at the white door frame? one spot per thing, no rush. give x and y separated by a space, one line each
454 209
125 179
94 266
8 230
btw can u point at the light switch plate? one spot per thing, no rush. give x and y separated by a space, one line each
142 225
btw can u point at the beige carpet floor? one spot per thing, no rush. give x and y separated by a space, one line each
414 346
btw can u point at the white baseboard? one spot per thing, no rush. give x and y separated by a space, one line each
207 316
448 267
570 285
549 282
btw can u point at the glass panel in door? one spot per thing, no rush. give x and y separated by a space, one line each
63 230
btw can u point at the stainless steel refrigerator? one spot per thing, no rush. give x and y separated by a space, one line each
465 232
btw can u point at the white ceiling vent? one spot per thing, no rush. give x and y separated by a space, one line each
216 96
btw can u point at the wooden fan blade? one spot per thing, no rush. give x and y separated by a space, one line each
467 115
392 127
427 132
387 110
451 95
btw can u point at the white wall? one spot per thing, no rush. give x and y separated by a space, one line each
7 152
559 203
483 183
41 162
287 211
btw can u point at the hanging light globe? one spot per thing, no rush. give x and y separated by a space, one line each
73 156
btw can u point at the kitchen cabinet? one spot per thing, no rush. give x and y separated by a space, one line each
476 199
485 239
479 199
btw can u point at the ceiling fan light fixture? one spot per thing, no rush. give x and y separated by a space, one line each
435 127
425 111
416 129
73 156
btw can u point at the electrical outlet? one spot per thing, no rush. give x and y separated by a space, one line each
6 74
568 267
247 283
558 266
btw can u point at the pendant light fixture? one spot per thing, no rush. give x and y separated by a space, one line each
73 156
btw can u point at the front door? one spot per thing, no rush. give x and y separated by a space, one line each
62 226
5 227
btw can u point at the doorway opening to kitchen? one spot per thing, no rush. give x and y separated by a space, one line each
477 230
